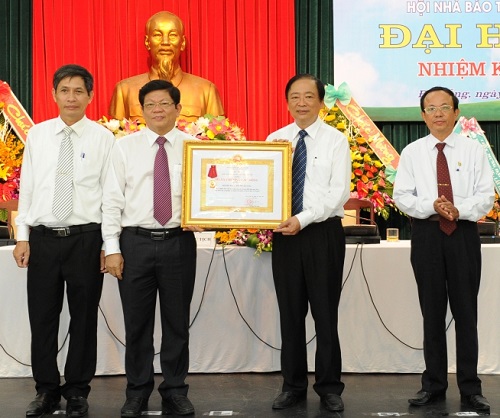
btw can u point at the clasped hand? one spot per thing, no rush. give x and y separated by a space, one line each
445 208
114 265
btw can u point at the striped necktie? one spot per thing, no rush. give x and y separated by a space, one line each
299 173
162 198
444 188
62 204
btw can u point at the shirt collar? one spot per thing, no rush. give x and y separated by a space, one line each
171 136
77 127
311 130
432 141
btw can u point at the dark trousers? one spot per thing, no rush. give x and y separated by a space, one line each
54 262
157 268
448 268
307 269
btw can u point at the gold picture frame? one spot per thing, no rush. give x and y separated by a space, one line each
229 184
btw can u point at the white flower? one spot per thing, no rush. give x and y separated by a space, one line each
113 125
203 123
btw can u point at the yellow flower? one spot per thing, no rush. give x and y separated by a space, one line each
210 134
364 186
222 237
4 172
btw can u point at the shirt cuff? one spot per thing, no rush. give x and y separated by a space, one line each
23 233
112 246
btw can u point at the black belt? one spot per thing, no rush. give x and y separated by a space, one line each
333 218
155 234
66 231
433 218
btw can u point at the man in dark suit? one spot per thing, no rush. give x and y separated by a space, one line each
148 251
59 240
445 184
309 247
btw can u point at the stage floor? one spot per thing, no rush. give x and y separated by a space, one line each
251 395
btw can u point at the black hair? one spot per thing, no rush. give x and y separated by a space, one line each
73 70
438 88
319 84
154 85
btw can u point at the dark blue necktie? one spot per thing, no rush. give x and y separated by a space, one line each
299 173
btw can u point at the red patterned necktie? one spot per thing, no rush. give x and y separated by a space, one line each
162 196
444 188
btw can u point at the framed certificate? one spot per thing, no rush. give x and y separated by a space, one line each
244 184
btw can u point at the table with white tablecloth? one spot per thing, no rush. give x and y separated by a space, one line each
235 317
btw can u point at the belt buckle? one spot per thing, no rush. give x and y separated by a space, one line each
62 232
159 236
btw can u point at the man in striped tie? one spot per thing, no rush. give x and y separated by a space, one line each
309 247
59 240
148 251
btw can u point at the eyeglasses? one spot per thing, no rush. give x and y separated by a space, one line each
163 105
307 99
433 109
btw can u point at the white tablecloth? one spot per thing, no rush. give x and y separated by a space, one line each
380 325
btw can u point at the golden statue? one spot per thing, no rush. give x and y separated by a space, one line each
165 41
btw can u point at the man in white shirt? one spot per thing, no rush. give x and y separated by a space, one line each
309 248
150 253
445 244
63 247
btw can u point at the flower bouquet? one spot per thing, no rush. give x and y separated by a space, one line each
260 239
121 128
210 127
368 177
11 157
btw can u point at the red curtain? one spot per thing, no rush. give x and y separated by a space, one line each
247 48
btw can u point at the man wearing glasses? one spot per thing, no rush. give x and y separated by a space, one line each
148 251
445 185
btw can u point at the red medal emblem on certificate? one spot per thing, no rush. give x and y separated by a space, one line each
212 172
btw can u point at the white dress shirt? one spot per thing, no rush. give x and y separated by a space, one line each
328 170
415 187
92 144
128 191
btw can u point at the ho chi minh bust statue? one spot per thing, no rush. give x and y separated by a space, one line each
165 41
